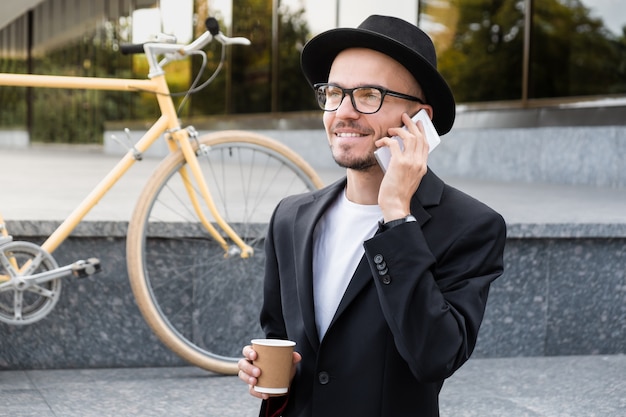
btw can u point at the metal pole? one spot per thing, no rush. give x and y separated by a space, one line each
275 57
228 93
526 61
30 21
419 12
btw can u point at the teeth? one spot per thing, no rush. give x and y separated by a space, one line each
349 135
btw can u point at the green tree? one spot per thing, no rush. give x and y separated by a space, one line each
571 52
485 60
84 112
13 99
294 91
251 67
244 85
252 78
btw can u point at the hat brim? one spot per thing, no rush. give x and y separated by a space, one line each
320 52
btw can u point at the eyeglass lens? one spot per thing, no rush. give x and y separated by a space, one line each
364 99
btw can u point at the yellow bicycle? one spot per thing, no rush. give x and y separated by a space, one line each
215 189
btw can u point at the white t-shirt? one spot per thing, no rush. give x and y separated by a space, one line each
337 249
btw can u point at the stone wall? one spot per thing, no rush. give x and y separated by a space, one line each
563 293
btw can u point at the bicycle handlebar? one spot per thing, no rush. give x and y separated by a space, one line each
174 51
132 48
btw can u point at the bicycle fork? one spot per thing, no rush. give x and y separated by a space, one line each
241 248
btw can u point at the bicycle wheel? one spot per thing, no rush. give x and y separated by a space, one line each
203 304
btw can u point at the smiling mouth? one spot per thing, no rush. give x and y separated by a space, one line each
349 135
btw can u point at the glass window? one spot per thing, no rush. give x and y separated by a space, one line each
576 47
78 39
488 51
13 59
576 52
263 77
480 46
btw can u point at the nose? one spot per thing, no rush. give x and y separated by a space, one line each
346 108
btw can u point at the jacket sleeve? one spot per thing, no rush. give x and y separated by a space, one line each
271 317
433 294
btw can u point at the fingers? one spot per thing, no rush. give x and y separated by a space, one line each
296 359
412 155
249 353
406 169
247 371
412 135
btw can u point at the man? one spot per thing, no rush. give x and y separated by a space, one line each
381 278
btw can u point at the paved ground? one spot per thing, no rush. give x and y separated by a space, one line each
589 386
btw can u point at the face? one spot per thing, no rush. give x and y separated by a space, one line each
351 134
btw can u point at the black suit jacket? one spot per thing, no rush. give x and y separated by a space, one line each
409 317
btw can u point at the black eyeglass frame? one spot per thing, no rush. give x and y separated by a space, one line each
349 91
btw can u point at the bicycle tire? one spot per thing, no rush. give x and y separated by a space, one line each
161 246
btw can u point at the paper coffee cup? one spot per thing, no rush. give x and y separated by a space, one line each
274 358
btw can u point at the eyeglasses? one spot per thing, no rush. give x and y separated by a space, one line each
366 99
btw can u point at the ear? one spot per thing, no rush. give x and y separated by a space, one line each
429 110
427 107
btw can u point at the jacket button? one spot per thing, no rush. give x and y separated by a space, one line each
386 279
323 378
378 258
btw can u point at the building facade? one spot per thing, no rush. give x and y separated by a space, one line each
511 57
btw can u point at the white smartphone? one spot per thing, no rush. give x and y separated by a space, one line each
383 154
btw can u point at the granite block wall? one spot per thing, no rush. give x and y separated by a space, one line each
558 296
95 323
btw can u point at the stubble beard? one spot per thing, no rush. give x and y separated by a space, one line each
344 157
358 164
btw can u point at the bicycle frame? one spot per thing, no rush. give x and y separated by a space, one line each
31 284
167 123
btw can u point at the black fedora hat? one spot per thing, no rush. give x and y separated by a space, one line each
400 40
